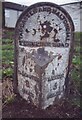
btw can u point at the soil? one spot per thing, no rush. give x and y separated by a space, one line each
19 108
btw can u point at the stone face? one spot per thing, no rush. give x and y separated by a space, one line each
43 40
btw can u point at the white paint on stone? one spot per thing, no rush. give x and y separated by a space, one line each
42 55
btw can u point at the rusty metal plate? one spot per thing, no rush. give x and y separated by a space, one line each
43 49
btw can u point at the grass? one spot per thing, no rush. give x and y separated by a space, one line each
78 35
7 57
76 61
7 47
7 41
75 73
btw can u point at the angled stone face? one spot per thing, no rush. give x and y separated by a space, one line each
44 34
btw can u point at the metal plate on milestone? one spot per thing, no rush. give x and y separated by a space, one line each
44 37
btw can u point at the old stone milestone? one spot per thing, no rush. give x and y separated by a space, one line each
43 50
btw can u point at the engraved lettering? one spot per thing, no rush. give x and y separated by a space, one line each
49 10
44 8
54 11
66 44
55 77
39 44
68 36
40 9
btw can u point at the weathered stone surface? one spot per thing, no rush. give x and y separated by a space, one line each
44 36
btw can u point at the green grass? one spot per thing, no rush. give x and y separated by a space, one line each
78 35
8 72
8 34
7 41
7 47
7 57
76 61
77 49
